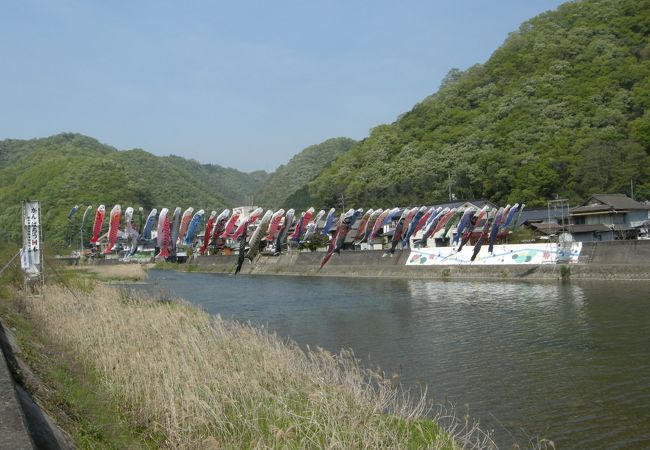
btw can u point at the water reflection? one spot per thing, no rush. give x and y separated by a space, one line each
564 361
501 294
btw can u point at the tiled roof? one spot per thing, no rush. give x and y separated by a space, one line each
542 214
609 203
589 228
480 203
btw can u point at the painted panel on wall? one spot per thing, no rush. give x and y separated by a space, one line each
503 255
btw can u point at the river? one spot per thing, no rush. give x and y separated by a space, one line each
565 362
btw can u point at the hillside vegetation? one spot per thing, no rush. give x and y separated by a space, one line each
281 187
68 169
560 109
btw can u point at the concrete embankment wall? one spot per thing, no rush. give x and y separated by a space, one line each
629 260
616 252
14 433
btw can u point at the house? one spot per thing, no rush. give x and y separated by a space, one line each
606 217
545 222
477 204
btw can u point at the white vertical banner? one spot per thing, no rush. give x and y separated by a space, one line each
31 251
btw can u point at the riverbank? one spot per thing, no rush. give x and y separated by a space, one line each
617 260
179 378
60 401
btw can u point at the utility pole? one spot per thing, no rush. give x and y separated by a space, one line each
449 184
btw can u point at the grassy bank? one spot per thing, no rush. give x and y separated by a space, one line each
105 272
118 371
183 379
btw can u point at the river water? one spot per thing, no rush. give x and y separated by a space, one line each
565 362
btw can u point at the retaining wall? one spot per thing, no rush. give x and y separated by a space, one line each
629 260
616 252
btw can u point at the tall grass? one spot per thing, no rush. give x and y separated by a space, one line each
190 380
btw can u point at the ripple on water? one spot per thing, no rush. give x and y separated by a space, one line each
562 361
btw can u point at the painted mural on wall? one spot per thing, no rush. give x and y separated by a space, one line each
533 254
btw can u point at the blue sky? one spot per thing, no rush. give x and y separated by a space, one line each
243 84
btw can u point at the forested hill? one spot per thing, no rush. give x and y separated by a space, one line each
303 167
560 109
68 169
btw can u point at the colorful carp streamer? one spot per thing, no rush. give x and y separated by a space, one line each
498 220
364 229
430 225
511 214
305 217
230 224
148 225
113 226
397 233
274 225
329 221
362 225
97 225
275 230
374 231
72 212
423 220
248 222
482 238
131 231
185 222
207 232
462 224
515 223
411 225
474 221
312 226
255 215
191 228
162 239
175 228
219 225
382 220
282 234
242 248
458 213
344 226
240 229
84 217
255 241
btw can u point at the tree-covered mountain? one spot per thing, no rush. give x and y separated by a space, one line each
237 188
281 187
68 169
562 108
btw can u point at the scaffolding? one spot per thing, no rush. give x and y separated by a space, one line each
559 209
564 236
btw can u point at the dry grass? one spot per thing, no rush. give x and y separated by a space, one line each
111 272
195 381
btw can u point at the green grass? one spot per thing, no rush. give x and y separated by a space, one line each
565 272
